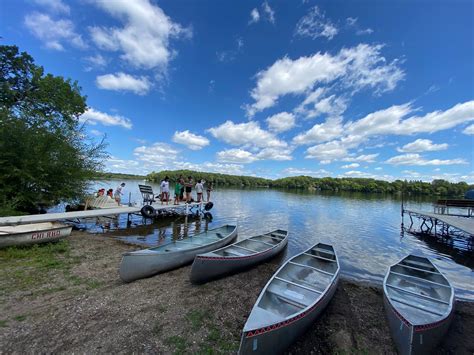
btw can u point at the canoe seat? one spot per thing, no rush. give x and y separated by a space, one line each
312 268
418 264
287 299
243 248
417 294
421 279
330 252
418 269
396 299
319 257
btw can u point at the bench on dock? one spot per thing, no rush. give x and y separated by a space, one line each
147 194
442 205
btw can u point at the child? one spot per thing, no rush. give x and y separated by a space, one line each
199 190
177 192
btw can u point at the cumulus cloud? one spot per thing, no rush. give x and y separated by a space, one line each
356 68
236 156
422 145
254 16
158 154
350 166
364 158
307 172
315 104
417 159
330 129
124 82
95 62
248 133
327 152
315 24
92 116
54 33
57 6
469 130
145 35
281 122
191 140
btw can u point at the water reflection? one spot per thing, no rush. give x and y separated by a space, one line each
364 229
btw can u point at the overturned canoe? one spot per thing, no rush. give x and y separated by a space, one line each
238 256
143 263
419 302
291 301
33 233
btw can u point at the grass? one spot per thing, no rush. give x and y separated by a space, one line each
178 343
197 317
3 323
20 318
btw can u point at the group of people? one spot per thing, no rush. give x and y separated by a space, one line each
183 186
117 195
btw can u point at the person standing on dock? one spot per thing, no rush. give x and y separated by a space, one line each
177 192
208 190
118 193
199 190
165 190
188 188
181 192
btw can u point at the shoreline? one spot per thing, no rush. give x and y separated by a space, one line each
67 297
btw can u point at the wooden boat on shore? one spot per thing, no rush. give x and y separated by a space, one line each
144 263
33 233
238 256
291 301
419 302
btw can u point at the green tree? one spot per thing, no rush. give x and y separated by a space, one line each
45 156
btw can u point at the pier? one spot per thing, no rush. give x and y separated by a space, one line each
103 212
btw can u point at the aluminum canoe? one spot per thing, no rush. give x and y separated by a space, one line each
291 301
144 263
238 256
35 233
419 303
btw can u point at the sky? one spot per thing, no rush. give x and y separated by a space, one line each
378 89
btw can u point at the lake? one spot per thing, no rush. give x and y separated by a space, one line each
365 229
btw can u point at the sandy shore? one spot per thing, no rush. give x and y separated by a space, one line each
69 298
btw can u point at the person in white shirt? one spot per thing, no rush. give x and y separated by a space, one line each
199 189
165 190
118 192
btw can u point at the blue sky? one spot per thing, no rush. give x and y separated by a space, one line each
274 88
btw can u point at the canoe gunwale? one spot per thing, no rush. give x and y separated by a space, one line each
59 226
418 327
240 257
150 252
248 333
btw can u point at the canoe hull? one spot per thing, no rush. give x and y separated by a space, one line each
135 267
206 268
275 339
411 339
55 233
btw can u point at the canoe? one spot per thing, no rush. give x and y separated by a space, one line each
238 256
291 301
35 233
144 263
419 303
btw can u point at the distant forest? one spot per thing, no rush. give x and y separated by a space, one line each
436 187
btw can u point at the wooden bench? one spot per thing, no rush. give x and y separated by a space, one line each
442 205
147 194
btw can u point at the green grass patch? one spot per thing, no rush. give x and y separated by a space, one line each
178 343
3 323
20 318
157 328
197 318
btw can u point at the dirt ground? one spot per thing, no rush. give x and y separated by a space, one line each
75 302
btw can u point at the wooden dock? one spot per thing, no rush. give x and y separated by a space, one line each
51 217
463 224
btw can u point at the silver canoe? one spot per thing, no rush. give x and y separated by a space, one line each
291 301
143 263
33 233
238 256
419 302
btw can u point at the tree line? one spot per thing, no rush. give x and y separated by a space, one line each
413 187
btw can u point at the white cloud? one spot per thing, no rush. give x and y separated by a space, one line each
93 117
145 35
96 132
268 11
315 24
307 172
357 68
422 145
378 168
158 154
350 166
54 33
366 31
327 152
95 62
323 132
254 16
231 54
275 154
191 140
236 156
124 82
248 133
417 159
281 122
364 158
331 105
469 130
352 22
54 5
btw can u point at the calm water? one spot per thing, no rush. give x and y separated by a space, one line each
364 229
